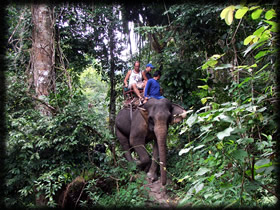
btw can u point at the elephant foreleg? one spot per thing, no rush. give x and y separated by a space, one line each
125 145
152 174
145 160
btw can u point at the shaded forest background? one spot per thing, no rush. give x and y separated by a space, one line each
65 66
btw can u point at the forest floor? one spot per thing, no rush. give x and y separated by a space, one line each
159 195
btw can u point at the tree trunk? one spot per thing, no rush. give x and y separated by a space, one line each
42 55
112 44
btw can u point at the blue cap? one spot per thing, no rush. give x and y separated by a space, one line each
150 65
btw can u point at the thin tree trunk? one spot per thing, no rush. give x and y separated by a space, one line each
112 107
42 55
112 111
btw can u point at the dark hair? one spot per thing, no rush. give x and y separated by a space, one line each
157 73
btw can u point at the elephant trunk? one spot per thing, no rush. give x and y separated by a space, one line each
161 133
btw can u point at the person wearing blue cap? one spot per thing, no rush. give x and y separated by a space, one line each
147 71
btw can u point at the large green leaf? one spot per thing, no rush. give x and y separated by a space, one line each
223 117
270 14
245 141
259 31
249 39
191 120
229 16
261 54
206 127
186 150
202 171
262 163
221 135
198 187
274 25
256 14
239 155
241 12
225 11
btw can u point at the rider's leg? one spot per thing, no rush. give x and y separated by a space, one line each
135 89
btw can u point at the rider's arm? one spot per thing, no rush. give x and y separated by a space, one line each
144 75
147 88
126 78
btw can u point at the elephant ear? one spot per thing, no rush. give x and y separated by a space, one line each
144 113
178 113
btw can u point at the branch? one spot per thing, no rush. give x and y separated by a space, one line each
43 102
166 13
263 186
20 19
93 130
80 194
240 171
235 31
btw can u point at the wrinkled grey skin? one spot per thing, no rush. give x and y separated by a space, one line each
147 125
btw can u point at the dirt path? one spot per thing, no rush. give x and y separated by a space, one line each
159 195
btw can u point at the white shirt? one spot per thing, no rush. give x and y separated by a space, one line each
135 78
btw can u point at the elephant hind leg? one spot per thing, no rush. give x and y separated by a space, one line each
124 141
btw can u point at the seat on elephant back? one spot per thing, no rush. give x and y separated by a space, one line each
130 97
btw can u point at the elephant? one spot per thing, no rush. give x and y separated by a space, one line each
144 124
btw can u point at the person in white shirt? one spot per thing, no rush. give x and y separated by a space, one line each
137 80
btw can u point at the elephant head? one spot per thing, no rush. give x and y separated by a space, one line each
146 123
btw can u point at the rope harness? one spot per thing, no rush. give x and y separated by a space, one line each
133 104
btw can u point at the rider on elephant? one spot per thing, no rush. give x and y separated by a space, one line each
136 78
152 89
148 69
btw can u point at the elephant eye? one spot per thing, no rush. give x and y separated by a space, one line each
151 124
150 120
170 119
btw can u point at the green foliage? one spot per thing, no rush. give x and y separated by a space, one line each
19 33
45 154
133 194
216 167
130 194
193 30
178 83
95 90
231 160
40 149
84 31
